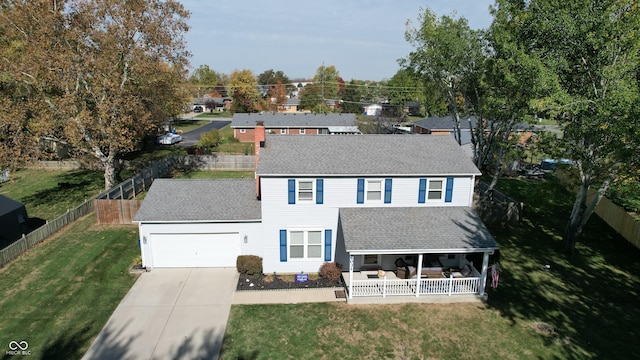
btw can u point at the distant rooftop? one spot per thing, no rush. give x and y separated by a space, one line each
280 120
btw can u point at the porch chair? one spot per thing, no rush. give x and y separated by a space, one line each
403 270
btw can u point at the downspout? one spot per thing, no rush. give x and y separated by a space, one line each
350 276
418 274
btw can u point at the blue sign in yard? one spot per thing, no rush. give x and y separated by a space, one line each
302 278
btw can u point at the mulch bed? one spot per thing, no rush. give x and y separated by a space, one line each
273 282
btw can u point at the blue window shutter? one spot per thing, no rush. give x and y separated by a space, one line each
448 195
283 245
360 191
319 191
422 191
327 245
292 191
387 191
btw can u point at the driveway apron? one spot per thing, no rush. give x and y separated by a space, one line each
169 314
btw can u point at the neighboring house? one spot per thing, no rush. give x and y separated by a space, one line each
443 125
373 110
13 220
243 124
291 106
369 202
212 103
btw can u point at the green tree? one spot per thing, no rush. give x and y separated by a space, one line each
207 80
101 74
593 49
329 81
448 54
243 87
352 98
311 98
405 86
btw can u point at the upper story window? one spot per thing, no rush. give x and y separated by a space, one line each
435 189
374 190
305 190
302 131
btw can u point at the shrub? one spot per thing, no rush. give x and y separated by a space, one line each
330 271
249 264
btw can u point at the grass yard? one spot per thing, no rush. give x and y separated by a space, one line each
59 294
48 194
585 306
186 125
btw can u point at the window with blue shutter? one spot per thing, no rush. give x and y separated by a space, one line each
422 191
387 191
360 198
448 195
327 245
292 191
283 245
319 191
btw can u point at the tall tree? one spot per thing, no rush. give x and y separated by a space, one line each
206 79
352 98
243 86
311 98
329 80
594 50
405 86
448 54
102 73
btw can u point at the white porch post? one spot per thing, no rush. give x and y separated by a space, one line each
350 276
418 274
483 277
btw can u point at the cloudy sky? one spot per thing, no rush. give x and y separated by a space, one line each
363 39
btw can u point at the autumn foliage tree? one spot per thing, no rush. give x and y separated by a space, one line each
244 91
96 74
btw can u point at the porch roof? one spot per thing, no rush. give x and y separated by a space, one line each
414 230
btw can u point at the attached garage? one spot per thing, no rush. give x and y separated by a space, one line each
199 223
194 250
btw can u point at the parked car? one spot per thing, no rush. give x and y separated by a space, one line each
169 139
198 109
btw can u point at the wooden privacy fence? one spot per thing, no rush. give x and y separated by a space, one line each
116 211
621 221
496 207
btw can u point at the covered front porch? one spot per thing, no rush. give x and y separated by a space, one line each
415 255
437 282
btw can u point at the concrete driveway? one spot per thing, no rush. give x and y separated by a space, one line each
169 314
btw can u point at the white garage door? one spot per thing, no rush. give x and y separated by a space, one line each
195 250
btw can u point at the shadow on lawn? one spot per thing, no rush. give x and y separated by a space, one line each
586 302
77 185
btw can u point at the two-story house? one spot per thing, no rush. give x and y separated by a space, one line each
244 124
397 203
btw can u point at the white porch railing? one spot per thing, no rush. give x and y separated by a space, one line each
442 286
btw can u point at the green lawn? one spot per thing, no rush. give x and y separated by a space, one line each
216 114
48 194
186 125
585 306
59 294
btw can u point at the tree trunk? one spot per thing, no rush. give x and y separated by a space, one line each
580 215
109 172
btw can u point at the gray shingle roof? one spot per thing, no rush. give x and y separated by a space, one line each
417 229
8 205
445 122
200 200
279 120
344 155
